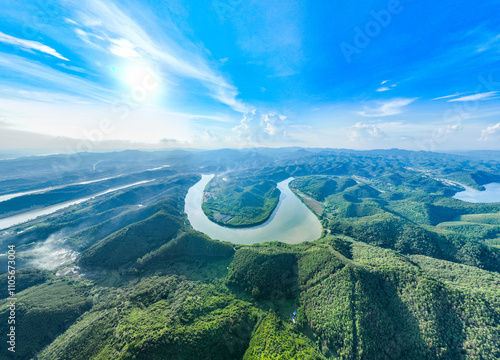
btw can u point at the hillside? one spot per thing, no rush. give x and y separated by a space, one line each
240 202
352 300
401 271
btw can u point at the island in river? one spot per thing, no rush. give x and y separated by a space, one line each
240 202
291 222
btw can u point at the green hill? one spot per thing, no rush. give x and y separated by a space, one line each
132 242
273 340
402 270
240 202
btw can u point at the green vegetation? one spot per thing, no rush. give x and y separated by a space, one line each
353 300
403 271
42 313
380 305
25 278
240 202
263 274
159 318
319 187
492 219
274 340
189 243
131 242
411 222
72 192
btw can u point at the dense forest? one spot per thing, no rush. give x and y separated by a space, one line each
240 202
401 271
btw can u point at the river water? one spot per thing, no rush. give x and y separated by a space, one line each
12 196
30 215
37 191
291 222
491 194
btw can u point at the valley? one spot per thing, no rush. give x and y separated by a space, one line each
371 259
249 180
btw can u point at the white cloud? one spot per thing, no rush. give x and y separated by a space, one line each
219 118
448 96
491 43
302 128
211 136
180 57
388 108
30 45
70 21
59 79
72 68
362 132
475 97
448 130
260 128
490 133
123 48
45 96
386 86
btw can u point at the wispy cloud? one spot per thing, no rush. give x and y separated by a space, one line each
42 96
126 38
491 43
70 21
72 68
479 96
218 118
30 45
123 48
490 132
32 70
211 136
448 96
384 86
388 108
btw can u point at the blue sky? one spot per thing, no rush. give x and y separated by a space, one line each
95 75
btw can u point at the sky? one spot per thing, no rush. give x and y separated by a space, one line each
104 75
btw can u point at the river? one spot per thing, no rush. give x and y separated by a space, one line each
491 194
291 222
12 196
37 191
30 215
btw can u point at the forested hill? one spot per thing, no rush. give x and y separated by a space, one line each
402 270
352 301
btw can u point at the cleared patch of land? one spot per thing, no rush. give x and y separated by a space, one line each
312 204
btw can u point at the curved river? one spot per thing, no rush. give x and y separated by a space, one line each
291 222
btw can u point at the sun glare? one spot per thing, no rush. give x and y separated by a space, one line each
140 75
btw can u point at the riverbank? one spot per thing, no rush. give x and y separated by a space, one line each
291 222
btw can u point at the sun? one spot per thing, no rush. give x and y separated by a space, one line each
141 78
